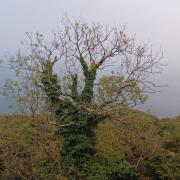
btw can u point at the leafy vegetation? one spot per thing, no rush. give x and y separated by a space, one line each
135 145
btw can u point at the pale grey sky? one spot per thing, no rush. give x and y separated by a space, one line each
154 21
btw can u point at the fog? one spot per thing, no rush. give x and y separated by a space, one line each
154 22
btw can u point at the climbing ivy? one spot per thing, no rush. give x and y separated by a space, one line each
78 130
76 125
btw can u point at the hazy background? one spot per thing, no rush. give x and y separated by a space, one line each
154 21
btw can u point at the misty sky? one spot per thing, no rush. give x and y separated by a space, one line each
154 21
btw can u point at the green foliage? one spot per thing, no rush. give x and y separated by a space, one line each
121 90
26 151
74 87
90 76
32 152
142 139
170 131
166 165
111 169
120 169
163 166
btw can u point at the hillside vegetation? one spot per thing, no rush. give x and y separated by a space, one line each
128 141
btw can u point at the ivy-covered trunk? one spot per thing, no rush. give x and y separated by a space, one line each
87 93
75 125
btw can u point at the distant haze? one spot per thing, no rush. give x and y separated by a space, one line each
154 21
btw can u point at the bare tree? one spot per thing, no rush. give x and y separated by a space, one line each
85 50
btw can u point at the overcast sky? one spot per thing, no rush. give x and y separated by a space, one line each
154 21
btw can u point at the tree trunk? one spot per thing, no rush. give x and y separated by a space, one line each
87 93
